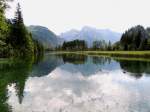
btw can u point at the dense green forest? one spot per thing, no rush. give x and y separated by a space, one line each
134 39
15 40
81 45
74 45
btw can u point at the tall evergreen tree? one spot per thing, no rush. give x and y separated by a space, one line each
109 46
21 39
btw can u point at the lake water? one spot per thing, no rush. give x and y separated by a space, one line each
75 83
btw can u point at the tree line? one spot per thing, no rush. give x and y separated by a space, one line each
15 40
134 39
81 45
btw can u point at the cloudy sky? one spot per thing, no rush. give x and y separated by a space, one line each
63 15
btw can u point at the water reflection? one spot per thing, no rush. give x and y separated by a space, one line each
75 83
46 66
135 68
75 59
13 72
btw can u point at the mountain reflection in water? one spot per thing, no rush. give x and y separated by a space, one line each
75 83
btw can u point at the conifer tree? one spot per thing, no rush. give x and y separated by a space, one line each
109 46
21 39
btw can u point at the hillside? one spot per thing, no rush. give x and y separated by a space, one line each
45 36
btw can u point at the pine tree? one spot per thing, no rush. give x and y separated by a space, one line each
21 39
109 46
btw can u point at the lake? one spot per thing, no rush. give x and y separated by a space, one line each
75 83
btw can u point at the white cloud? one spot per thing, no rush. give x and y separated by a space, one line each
64 91
62 15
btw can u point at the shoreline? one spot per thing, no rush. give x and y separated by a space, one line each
119 55
123 55
135 54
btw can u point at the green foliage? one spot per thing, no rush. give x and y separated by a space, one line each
97 45
75 45
3 27
38 48
4 30
4 5
20 39
15 40
101 45
135 39
3 24
117 46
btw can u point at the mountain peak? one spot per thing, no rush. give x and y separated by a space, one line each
86 28
90 34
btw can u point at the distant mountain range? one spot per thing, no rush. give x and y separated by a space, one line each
45 36
89 34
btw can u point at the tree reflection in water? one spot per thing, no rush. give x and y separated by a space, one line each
135 68
13 72
16 72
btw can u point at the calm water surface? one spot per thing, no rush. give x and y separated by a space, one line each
75 83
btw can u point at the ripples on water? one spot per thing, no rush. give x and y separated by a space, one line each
78 83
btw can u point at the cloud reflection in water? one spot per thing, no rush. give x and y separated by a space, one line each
66 91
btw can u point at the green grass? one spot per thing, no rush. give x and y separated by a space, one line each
130 55
144 54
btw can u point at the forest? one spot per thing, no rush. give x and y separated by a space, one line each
15 40
134 39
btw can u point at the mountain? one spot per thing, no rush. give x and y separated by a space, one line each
45 36
90 34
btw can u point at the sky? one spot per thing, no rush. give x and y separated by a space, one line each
63 15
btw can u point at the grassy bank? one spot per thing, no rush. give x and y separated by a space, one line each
122 54
133 54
